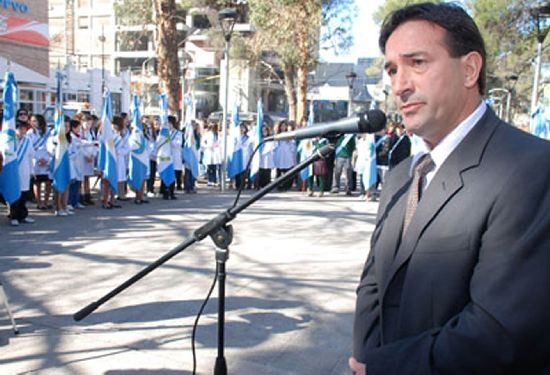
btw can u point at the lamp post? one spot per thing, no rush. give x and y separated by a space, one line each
227 18
102 40
499 94
350 77
539 13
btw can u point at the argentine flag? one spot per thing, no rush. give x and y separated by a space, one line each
190 147
305 148
61 167
369 168
9 177
139 159
540 124
164 155
258 139
107 154
235 164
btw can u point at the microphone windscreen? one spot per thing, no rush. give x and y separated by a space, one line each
376 121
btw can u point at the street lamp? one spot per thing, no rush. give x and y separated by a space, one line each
227 18
102 40
498 94
350 77
539 13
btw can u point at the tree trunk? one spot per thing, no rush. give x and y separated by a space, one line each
290 90
301 96
167 51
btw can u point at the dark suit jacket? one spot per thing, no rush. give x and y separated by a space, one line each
468 289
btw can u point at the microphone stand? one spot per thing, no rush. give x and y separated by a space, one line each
222 235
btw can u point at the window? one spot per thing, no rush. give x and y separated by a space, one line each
83 22
69 97
26 99
83 97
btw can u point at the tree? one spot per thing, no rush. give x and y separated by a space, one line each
509 30
291 29
166 44
161 13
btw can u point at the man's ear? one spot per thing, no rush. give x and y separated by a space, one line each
471 65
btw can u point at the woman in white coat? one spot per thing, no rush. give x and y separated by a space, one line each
176 144
285 155
212 157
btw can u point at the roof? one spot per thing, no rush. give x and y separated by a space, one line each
334 74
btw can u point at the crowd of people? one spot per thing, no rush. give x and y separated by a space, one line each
36 145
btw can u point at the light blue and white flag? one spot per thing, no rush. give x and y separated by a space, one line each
107 160
165 165
139 158
305 147
191 151
9 178
62 165
258 139
235 163
368 174
540 123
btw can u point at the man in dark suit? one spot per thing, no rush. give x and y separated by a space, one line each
457 278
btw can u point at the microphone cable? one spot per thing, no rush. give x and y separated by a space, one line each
199 314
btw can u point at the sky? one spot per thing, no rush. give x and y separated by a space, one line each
365 34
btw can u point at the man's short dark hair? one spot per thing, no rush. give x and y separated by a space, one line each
462 35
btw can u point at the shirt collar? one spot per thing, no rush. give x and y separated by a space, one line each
447 145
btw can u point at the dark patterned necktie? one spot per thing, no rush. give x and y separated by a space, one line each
422 168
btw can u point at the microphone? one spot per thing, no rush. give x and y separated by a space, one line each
365 122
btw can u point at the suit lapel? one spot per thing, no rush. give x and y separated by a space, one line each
445 184
391 222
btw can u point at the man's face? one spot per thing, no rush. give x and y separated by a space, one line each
428 84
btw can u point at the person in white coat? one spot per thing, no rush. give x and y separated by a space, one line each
176 144
267 162
212 156
18 210
76 159
122 150
151 130
42 160
245 144
285 155
90 149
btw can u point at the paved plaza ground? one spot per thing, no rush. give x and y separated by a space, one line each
292 273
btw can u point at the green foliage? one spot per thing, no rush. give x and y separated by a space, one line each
134 12
509 31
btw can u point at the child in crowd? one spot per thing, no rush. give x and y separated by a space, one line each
18 210
90 148
76 159
42 161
